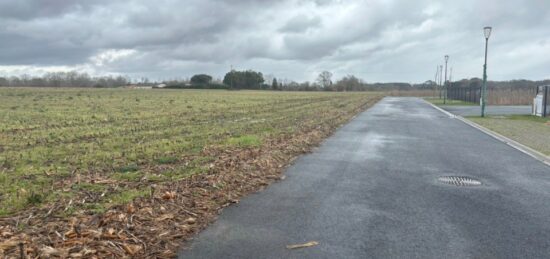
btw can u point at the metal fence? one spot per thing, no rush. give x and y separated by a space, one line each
495 96
469 94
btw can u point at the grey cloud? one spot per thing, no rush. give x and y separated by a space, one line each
376 40
33 9
300 24
20 50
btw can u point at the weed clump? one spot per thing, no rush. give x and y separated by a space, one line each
127 168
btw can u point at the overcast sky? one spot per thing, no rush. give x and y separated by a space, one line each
376 40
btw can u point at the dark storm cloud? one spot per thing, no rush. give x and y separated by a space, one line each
377 40
27 10
25 50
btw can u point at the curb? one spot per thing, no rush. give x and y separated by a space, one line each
522 148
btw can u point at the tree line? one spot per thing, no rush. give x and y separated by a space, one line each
516 84
64 79
324 82
249 79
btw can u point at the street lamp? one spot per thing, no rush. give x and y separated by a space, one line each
440 80
437 84
487 33
445 96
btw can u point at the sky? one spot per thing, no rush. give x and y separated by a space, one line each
375 40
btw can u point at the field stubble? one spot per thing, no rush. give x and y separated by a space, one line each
133 172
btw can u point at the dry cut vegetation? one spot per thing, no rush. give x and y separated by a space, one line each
133 173
415 93
511 96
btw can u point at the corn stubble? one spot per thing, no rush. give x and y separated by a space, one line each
125 178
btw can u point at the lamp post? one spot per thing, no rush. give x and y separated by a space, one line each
440 80
435 81
445 96
487 33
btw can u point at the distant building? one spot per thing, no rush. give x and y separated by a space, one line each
138 86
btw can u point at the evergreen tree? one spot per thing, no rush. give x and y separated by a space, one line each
274 84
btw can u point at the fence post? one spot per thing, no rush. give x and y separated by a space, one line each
515 98
545 104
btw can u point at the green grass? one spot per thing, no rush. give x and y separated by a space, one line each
530 118
70 143
126 196
449 102
529 130
127 168
166 160
245 141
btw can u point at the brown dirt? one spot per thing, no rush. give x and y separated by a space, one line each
158 225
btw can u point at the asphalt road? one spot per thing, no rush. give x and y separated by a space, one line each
372 191
474 110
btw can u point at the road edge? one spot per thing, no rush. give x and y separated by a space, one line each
518 146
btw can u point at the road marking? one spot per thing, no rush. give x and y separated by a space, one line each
452 116
522 148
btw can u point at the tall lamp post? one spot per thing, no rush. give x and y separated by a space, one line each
445 96
440 80
435 81
487 33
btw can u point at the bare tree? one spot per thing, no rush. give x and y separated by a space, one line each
325 79
66 79
4 81
349 83
269 78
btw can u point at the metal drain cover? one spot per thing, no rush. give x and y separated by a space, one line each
459 180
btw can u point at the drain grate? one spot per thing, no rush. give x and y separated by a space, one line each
459 180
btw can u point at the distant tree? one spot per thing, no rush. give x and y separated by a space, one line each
201 79
269 78
144 81
429 84
476 82
293 86
325 79
349 83
244 79
4 81
274 84
37 81
15 81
